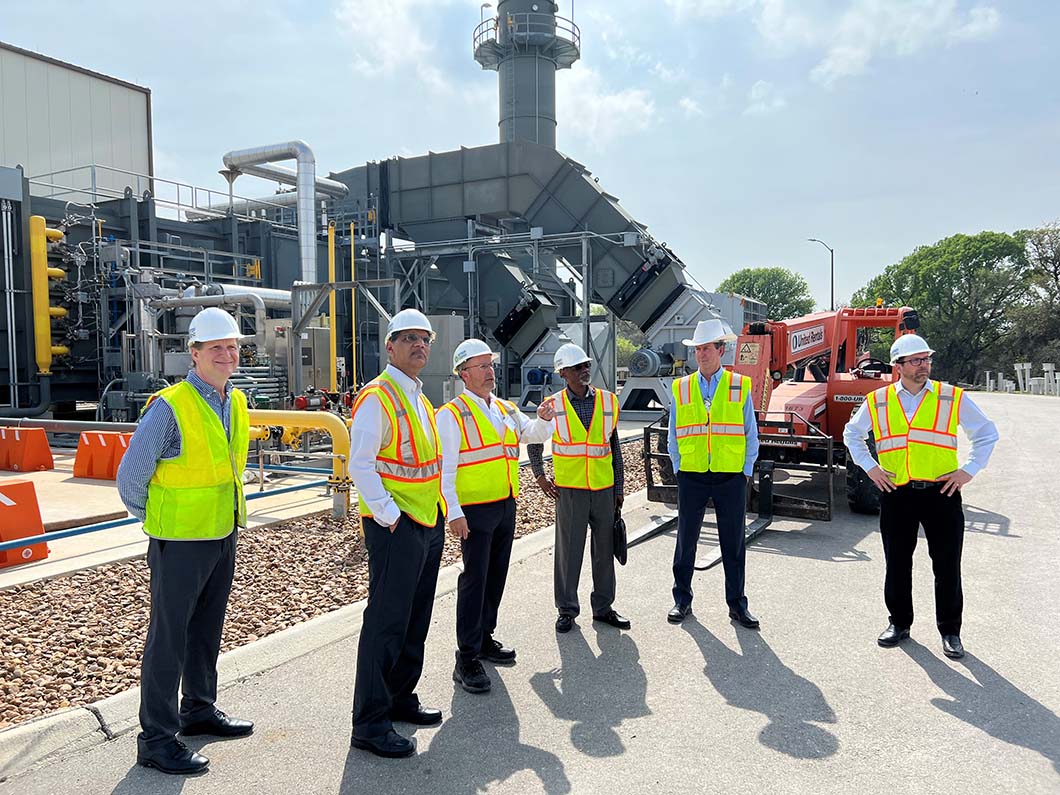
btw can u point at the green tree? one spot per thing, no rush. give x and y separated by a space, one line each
785 294
967 289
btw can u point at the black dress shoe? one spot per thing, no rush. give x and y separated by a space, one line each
892 636
613 619
470 676
564 623
390 745
174 758
496 653
219 725
679 613
952 646
744 619
418 715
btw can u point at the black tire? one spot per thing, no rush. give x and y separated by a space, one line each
862 494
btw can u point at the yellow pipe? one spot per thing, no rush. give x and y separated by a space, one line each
42 328
317 421
353 305
60 350
56 273
54 234
259 432
333 346
57 311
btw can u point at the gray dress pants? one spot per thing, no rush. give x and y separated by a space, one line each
576 511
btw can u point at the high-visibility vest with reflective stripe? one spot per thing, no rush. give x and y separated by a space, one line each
713 441
924 448
581 459
199 494
488 468
409 461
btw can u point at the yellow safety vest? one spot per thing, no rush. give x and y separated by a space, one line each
581 459
926 447
488 468
713 441
199 494
409 462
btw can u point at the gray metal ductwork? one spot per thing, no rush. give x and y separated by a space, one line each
306 189
246 299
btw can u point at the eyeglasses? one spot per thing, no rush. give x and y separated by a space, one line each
919 360
483 367
411 339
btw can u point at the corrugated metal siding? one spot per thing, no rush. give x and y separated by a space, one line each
54 117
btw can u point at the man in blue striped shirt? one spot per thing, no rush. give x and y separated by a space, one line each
191 443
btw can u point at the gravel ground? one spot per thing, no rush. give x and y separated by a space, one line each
74 640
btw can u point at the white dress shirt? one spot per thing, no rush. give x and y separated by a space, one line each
528 431
366 440
982 433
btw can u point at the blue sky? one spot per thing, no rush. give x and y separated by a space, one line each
735 129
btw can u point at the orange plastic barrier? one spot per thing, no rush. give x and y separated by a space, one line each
20 518
99 453
25 450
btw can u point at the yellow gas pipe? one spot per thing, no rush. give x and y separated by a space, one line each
39 235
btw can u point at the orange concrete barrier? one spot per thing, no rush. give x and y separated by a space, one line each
20 518
99 453
25 450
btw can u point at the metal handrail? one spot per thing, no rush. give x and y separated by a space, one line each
526 24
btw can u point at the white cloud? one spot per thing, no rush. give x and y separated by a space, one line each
690 107
982 22
597 115
668 75
684 9
763 99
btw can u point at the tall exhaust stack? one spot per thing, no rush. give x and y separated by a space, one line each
525 44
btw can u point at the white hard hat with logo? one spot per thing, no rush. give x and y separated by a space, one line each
212 324
406 320
569 355
713 330
908 345
469 349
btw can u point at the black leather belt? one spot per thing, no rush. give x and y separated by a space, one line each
923 484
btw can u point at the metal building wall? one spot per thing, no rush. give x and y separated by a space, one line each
56 116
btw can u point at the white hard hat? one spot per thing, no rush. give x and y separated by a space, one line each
408 319
908 345
713 330
569 355
211 324
469 349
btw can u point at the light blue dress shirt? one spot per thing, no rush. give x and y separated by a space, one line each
708 386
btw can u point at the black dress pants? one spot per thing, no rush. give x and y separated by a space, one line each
190 583
487 552
402 577
729 490
902 513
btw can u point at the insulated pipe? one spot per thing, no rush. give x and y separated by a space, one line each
330 188
223 300
340 446
305 184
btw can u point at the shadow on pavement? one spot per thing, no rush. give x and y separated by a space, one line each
477 745
980 520
755 679
595 693
991 703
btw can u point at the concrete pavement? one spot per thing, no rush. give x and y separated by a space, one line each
808 704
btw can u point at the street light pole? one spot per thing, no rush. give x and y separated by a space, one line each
831 269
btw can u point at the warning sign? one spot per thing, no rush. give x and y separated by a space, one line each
749 353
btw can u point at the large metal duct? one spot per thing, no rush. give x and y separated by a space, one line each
526 44
246 299
288 176
306 188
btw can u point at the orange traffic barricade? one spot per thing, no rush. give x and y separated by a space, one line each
20 518
99 453
25 450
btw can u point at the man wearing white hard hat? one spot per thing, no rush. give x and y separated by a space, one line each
587 486
713 445
481 434
914 422
183 476
395 463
